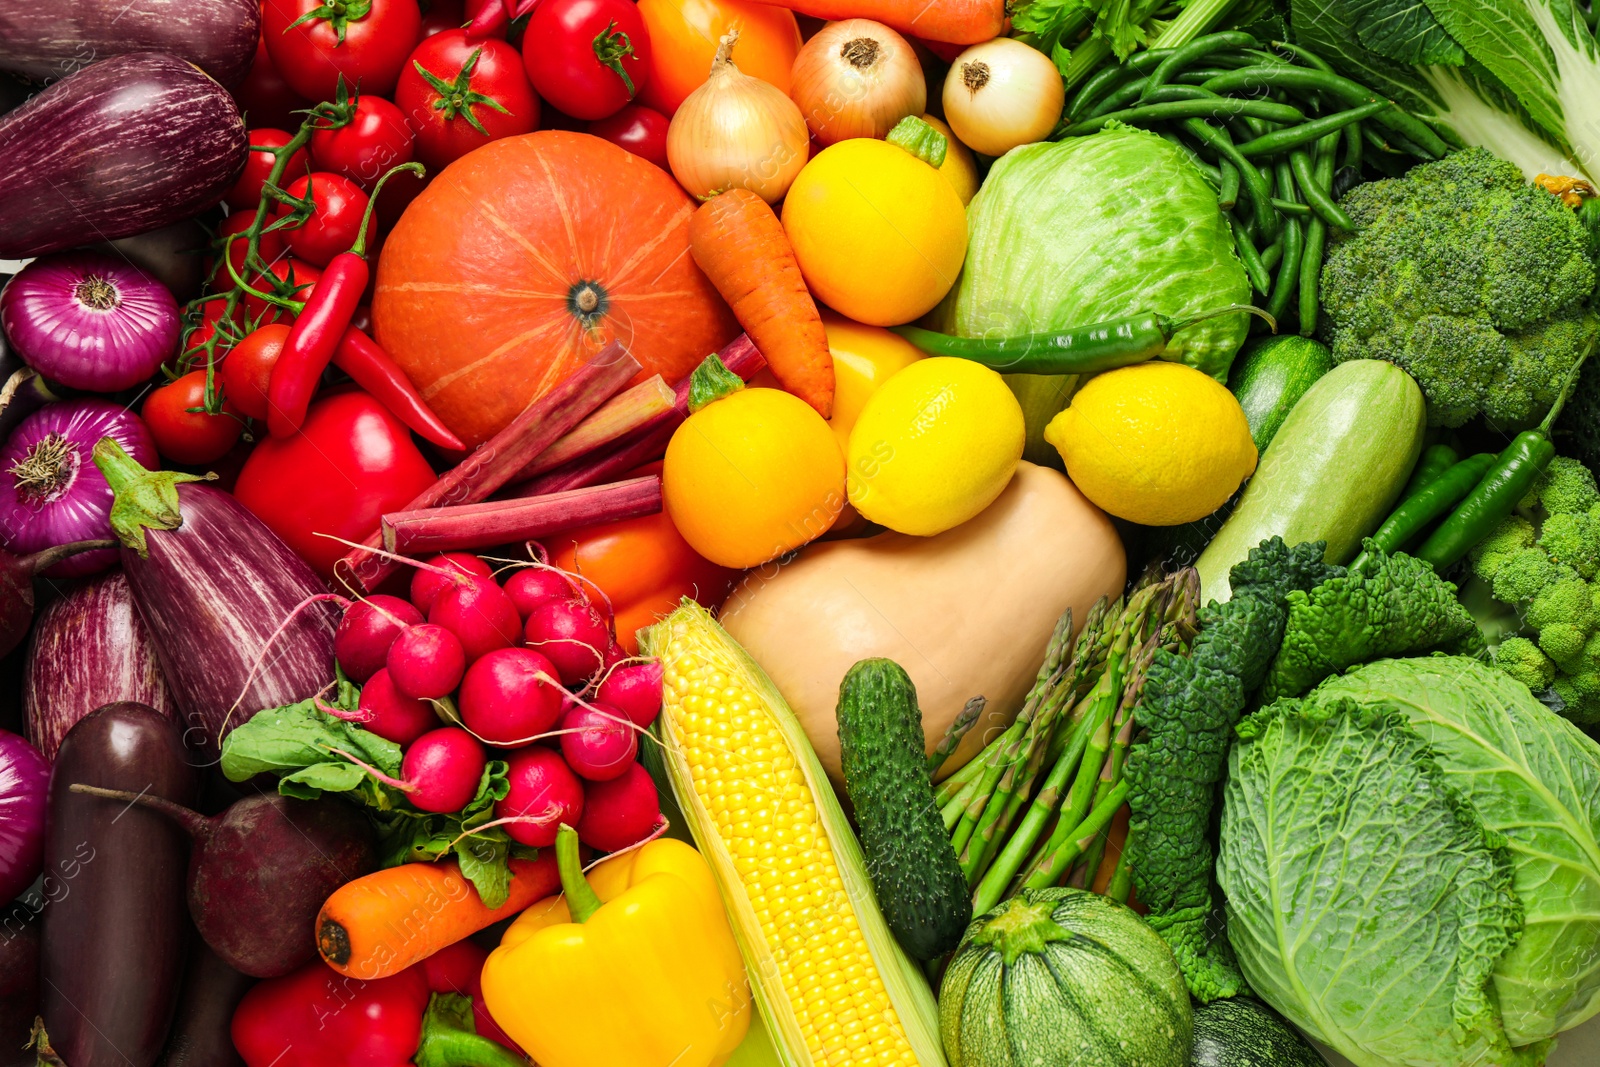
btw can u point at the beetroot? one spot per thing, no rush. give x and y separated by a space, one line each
369 627
260 872
442 769
427 584
532 586
509 696
620 812
599 742
635 690
543 788
480 613
391 714
426 662
572 634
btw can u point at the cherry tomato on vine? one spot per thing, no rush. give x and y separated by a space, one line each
246 191
335 218
589 58
248 369
312 43
270 246
189 436
458 95
376 140
297 272
639 129
265 97
194 345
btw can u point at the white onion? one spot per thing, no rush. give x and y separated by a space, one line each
1001 94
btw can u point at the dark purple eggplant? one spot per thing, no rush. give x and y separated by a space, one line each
45 41
229 605
174 255
89 648
16 587
115 928
19 991
202 1031
260 872
125 146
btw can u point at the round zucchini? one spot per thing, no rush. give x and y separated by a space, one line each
1271 377
1246 1033
1332 471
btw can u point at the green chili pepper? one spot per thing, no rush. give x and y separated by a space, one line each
1432 500
1436 459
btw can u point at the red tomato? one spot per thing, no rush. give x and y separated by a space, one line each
458 95
248 369
376 140
269 245
210 313
264 97
367 41
335 220
299 273
351 462
184 435
589 58
640 130
246 191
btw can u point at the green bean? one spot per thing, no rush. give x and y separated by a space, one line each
1310 59
1187 54
1251 178
1407 125
1286 284
1228 194
1260 277
1198 76
1122 97
1311 274
1272 255
1352 145
1291 207
1295 136
1316 194
1212 174
1206 107
1109 76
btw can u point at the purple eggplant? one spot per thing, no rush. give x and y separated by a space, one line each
19 991
130 144
49 41
88 649
16 586
239 621
115 928
202 1032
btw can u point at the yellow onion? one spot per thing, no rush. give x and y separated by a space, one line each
1001 94
857 78
736 132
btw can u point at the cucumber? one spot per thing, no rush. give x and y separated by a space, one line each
1246 1033
1332 471
1271 377
921 890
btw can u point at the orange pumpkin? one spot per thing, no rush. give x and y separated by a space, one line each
527 256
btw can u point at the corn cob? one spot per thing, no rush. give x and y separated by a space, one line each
832 985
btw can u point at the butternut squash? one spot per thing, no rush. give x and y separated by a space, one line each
967 612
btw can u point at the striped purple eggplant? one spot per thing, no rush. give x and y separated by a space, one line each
229 606
45 41
127 145
88 648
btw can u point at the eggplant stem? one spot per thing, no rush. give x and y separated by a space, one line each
194 824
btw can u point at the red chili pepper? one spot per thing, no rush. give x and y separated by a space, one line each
375 370
492 20
320 326
316 1017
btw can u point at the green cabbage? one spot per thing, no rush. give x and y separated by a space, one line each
1087 229
1411 860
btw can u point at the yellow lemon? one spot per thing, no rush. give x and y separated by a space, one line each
864 357
1157 443
879 234
958 168
934 446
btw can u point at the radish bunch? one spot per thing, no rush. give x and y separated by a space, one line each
468 670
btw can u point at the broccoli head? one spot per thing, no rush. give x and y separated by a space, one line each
1522 659
1470 279
1567 488
1509 538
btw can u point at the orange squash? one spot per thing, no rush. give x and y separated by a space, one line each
526 257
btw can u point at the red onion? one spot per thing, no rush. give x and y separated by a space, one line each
89 321
24 783
50 490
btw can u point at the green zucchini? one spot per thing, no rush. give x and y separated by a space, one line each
1331 473
921 890
1246 1033
1271 376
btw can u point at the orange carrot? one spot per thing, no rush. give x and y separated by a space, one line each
383 922
741 246
945 21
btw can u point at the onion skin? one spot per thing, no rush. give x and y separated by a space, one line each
24 780
127 145
51 40
89 648
90 321
1002 94
79 507
857 78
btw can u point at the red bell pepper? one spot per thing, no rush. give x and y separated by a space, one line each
425 1015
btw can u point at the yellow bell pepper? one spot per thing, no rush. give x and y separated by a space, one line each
634 967
864 357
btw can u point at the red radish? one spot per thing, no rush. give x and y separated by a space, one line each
428 584
635 690
602 743
532 586
443 768
368 628
426 662
392 715
510 695
620 812
541 786
480 613
572 634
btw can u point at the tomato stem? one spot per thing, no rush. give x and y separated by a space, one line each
457 97
611 46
